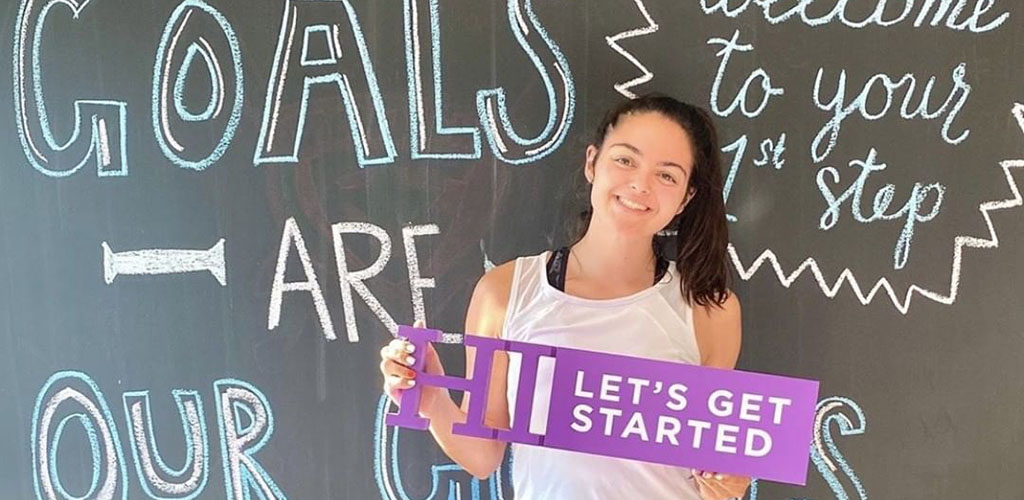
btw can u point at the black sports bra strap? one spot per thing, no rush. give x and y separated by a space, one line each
660 268
556 267
559 259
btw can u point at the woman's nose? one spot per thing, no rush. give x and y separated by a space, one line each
640 184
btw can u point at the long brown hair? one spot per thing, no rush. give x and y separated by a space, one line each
701 232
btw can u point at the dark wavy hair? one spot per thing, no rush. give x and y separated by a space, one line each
701 232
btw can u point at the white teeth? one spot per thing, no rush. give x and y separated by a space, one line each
630 204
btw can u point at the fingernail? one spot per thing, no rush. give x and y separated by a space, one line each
409 360
412 382
409 348
718 477
706 475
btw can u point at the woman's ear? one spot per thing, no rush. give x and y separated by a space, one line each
591 160
686 201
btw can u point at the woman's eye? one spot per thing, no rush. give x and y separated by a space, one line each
624 161
669 178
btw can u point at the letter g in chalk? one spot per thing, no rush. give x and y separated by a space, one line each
106 140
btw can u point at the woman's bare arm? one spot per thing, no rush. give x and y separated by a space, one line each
485 317
719 333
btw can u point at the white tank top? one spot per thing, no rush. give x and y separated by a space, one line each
653 323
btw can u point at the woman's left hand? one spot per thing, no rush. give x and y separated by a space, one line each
716 486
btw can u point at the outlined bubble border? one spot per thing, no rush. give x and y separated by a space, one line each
902 304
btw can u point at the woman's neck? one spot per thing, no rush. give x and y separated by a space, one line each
609 257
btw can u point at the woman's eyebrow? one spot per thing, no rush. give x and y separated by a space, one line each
637 151
629 147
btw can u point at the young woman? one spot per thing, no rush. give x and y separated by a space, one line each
654 165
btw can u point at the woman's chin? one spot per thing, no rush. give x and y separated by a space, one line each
633 228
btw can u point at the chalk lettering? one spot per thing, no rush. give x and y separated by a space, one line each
349 280
62 392
239 443
291 236
959 92
168 51
944 13
911 211
506 143
104 143
740 100
157 478
426 101
351 72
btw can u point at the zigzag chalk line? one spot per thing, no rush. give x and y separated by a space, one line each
613 42
902 304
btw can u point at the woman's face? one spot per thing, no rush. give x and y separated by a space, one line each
641 174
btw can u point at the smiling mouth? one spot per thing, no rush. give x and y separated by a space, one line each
636 207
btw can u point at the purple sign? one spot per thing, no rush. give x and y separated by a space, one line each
729 421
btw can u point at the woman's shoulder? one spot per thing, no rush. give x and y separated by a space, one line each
499 278
490 299
493 291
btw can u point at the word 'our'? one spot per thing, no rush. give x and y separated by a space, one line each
72 400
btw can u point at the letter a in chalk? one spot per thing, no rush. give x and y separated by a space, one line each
322 43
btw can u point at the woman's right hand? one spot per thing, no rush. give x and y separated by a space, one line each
394 365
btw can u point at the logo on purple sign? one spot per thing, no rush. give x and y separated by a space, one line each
730 421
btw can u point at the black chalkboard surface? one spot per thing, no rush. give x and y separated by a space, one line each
215 212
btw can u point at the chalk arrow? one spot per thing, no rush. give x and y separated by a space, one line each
164 261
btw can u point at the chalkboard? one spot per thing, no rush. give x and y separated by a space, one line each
215 213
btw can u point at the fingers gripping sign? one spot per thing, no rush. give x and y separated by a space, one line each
718 486
417 397
401 361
